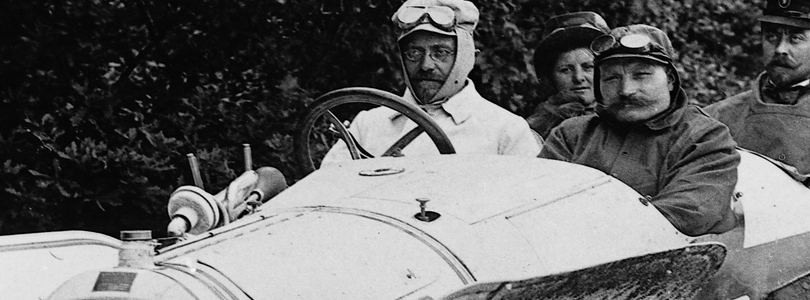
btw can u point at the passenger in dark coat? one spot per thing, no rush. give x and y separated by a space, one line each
646 135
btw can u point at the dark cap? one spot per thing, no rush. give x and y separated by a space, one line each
787 12
634 41
565 32
639 40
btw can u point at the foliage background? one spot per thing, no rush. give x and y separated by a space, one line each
101 100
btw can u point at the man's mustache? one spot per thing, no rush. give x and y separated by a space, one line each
781 62
628 101
427 76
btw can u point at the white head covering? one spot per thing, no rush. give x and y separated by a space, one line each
466 15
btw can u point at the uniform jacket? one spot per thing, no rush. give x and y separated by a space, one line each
473 124
779 131
683 159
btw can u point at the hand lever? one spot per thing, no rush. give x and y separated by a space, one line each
270 183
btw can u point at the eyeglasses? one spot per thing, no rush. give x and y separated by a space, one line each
441 17
632 43
442 55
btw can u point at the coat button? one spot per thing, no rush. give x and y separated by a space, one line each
782 156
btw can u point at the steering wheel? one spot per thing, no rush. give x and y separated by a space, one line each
322 106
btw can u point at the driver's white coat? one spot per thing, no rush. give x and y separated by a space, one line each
472 123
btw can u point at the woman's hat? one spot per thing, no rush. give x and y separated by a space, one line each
565 32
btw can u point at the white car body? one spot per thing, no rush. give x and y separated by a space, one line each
351 231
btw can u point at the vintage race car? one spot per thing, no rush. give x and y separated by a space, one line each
446 226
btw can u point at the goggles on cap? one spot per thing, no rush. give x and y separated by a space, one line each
632 43
441 17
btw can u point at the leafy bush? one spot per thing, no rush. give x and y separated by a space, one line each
103 99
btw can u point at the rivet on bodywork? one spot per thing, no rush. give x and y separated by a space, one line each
645 200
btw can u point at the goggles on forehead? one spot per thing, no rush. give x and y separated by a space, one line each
441 17
632 43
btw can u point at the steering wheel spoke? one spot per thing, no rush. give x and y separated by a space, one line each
345 135
322 109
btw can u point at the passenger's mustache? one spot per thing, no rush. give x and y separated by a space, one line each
626 101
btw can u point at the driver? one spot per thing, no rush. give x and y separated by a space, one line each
435 39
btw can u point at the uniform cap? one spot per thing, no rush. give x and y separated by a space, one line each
787 12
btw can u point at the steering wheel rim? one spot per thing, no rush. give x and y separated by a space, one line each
322 106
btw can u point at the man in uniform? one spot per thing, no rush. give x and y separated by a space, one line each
773 118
